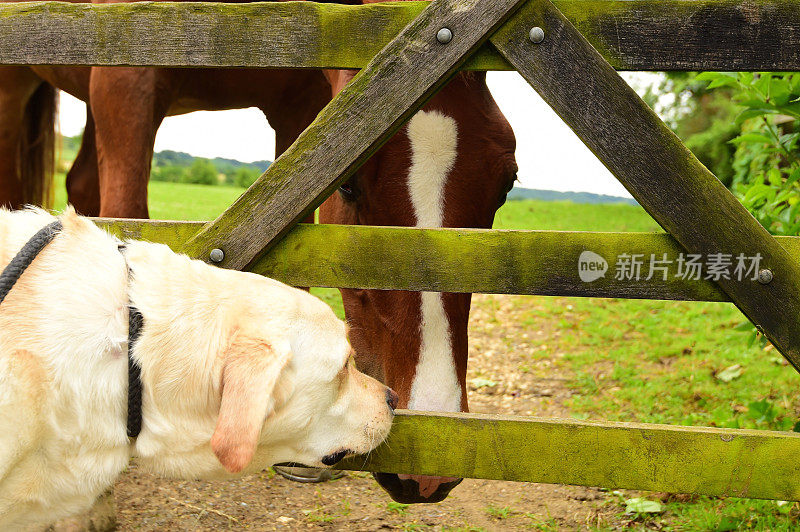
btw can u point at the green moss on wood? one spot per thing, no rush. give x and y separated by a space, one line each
173 234
278 35
699 460
630 34
454 260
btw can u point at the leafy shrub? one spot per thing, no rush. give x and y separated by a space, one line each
244 176
766 164
201 172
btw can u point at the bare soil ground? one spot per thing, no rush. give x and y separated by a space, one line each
504 351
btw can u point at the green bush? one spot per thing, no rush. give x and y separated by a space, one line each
201 172
171 174
244 176
703 118
766 165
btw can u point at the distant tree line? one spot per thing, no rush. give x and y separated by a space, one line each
179 167
522 194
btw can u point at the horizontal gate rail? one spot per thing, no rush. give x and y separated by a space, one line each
676 459
630 34
468 260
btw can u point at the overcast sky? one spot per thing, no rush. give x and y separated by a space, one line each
549 155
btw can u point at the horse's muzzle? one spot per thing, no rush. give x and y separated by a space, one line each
410 489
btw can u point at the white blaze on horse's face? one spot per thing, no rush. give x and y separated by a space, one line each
434 138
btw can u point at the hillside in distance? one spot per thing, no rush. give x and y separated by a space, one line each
519 193
179 158
69 148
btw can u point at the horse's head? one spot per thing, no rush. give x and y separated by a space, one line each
451 165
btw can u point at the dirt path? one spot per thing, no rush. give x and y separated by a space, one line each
513 369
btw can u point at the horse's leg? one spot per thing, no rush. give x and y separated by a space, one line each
17 86
304 94
83 183
128 106
15 90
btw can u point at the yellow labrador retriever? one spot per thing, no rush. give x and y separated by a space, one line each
238 372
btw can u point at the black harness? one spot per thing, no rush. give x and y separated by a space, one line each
14 270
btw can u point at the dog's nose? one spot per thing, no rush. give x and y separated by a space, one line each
392 398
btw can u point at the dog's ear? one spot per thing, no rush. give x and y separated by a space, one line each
249 375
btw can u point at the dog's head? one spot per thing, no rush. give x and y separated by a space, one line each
290 391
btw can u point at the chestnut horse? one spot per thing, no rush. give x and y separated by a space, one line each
450 166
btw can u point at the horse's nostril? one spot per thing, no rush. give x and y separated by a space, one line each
392 399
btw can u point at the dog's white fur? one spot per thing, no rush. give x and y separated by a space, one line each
239 371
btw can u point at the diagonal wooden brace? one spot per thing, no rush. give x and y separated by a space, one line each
351 128
652 163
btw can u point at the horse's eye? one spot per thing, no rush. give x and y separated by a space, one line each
511 182
508 187
348 191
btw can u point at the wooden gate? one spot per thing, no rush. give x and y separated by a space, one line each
568 51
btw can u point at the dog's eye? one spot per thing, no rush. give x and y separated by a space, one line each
343 374
341 380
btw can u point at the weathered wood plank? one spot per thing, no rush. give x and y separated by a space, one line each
461 260
172 233
369 110
631 34
652 163
689 34
263 34
699 460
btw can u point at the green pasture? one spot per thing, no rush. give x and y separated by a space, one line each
568 216
650 361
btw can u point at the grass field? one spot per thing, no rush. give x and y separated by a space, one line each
176 201
567 216
663 362
650 361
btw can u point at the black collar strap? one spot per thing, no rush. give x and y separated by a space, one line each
14 270
135 323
